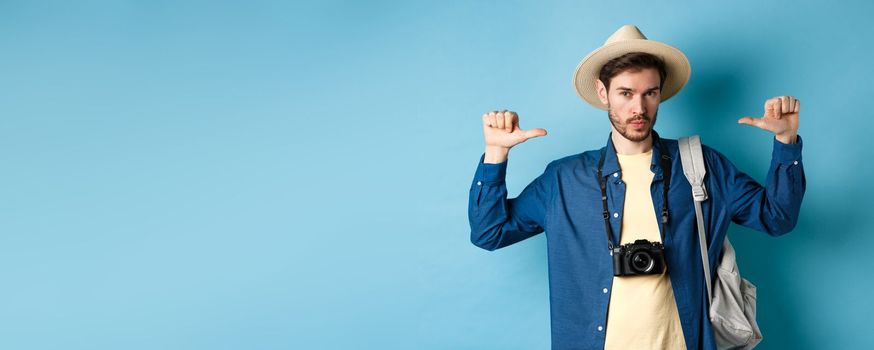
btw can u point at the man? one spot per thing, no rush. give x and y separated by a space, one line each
644 199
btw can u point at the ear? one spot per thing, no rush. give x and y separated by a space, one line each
602 91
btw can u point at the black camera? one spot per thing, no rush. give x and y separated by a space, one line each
639 258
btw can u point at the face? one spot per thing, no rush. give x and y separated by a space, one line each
633 102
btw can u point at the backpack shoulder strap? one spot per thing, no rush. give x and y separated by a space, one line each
693 166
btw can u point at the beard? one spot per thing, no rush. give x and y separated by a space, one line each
632 135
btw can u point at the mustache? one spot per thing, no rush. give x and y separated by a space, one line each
637 118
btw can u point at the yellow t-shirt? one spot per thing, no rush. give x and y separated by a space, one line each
642 312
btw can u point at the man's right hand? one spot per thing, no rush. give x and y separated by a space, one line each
502 132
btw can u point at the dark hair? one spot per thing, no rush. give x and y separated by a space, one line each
634 62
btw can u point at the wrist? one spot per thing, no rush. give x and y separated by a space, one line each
787 138
496 154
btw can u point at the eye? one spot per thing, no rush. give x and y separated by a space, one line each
625 93
652 93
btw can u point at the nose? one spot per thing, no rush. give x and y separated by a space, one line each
637 105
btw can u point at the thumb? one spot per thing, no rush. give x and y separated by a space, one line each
528 134
757 122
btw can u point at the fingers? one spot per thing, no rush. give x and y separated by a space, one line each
489 119
506 120
778 107
510 121
791 105
499 117
769 107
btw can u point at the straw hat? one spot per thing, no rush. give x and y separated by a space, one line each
630 39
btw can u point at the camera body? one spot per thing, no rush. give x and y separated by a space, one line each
639 258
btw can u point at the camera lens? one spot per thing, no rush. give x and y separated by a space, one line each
642 261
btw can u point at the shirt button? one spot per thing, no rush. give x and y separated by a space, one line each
615 215
600 329
479 183
604 290
795 162
615 174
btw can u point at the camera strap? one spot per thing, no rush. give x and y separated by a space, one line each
665 164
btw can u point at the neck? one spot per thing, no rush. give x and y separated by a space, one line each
627 147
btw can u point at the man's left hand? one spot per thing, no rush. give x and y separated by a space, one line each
781 118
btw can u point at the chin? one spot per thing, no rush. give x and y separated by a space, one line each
637 136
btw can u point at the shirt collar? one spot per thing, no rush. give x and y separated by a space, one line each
611 162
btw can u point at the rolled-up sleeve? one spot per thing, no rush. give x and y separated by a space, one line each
773 208
496 221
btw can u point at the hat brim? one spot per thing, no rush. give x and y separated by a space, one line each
676 65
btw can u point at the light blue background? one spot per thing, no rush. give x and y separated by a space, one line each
284 175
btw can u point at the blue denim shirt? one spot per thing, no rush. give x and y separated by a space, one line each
565 202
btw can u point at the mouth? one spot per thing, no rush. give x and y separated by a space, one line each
638 124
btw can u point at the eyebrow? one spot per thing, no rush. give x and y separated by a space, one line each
632 90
